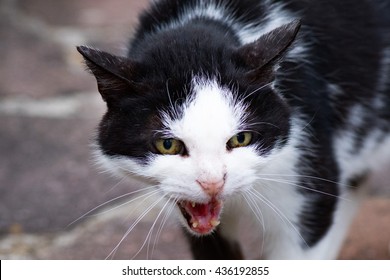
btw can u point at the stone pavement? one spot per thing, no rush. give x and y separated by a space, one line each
49 108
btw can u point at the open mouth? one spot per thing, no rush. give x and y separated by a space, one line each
202 218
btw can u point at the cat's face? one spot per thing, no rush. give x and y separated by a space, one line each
200 139
200 152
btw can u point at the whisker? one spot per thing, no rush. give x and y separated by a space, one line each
259 215
165 218
133 225
145 196
278 212
257 212
139 205
108 202
115 186
309 122
150 233
303 187
254 91
309 177
250 124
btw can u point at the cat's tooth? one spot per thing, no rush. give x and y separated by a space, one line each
193 204
214 222
195 224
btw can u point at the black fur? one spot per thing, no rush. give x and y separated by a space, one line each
214 247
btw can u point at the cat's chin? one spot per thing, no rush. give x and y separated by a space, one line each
201 218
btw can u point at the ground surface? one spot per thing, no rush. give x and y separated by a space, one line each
49 109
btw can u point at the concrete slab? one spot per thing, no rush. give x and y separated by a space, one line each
46 173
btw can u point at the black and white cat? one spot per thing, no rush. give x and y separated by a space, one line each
277 111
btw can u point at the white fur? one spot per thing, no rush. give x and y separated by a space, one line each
276 17
374 153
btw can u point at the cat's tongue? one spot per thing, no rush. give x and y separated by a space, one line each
202 218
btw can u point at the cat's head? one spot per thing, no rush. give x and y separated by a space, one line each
196 120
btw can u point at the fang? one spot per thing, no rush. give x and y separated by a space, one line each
214 223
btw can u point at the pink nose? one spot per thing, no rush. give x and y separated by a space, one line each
212 188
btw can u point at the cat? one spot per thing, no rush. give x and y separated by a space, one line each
274 111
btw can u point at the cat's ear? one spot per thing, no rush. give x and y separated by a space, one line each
261 56
113 73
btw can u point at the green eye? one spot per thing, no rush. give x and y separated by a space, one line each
241 139
169 146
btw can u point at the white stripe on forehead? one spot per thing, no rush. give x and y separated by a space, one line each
210 116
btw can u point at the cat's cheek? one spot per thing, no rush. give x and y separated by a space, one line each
175 175
119 166
242 168
163 166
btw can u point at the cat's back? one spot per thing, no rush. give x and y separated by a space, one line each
345 40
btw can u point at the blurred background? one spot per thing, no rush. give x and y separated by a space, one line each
49 109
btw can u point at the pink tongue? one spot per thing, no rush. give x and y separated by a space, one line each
204 217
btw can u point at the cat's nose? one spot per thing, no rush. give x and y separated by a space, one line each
212 188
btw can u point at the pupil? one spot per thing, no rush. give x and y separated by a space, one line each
241 138
167 144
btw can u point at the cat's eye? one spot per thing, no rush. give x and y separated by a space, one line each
169 146
241 139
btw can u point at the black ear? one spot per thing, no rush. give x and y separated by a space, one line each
262 55
113 73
